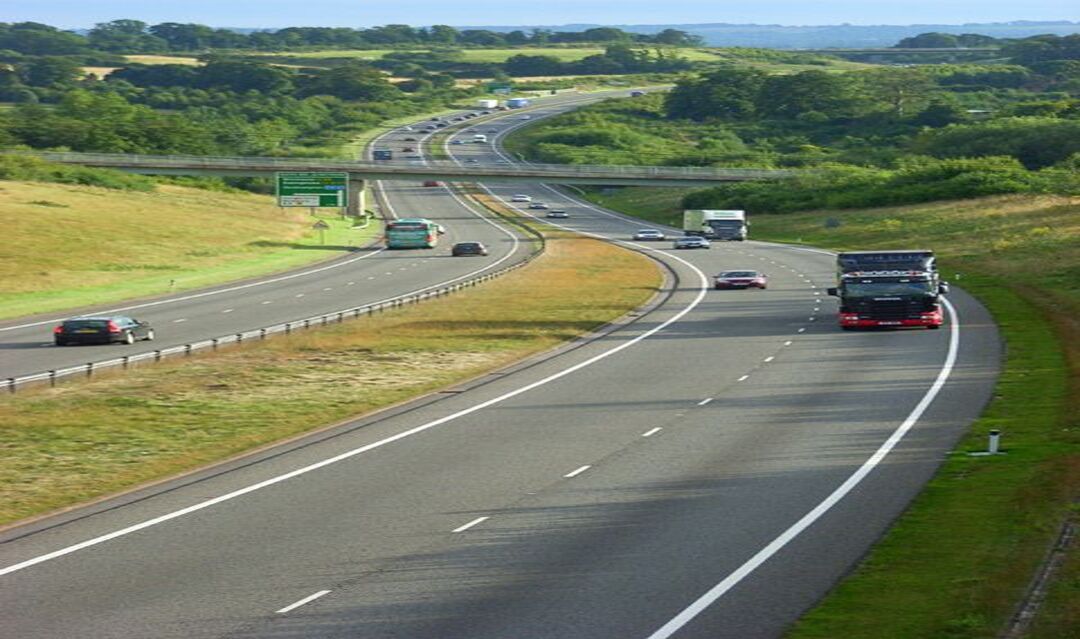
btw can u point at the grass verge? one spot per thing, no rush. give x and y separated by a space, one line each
70 246
958 561
73 443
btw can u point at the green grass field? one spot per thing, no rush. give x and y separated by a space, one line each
69 246
975 535
82 440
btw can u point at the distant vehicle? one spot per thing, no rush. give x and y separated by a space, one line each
557 214
517 103
649 235
479 138
409 149
383 154
714 224
539 206
492 131
414 157
636 94
106 329
472 161
435 119
408 139
412 233
440 125
888 289
485 113
691 242
487 103
405 128
526 117
432 183
468 248
457 142
741 279
521 198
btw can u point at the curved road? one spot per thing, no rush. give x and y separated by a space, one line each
709 469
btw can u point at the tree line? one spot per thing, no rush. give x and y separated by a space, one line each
134 36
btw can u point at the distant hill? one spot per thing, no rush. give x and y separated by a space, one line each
775 36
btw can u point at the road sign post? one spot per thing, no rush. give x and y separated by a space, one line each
313 189
321 225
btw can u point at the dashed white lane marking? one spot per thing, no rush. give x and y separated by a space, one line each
388 273
853 480
802 330
769 359
470 524
228 310
650 433
305 600
372 277
328 289
350 283
787 343
267 302
813 319
705 401
575 473
744 378
182 319
299 294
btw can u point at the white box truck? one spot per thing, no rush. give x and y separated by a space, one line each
717 225
487 104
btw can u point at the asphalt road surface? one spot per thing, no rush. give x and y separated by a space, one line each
708 469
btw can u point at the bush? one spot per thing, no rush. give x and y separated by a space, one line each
917 180
14 167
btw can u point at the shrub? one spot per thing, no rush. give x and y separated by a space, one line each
14 167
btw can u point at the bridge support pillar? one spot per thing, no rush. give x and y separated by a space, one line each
357 198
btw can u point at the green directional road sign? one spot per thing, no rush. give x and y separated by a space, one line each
313 189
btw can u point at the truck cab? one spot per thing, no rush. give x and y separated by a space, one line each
888 289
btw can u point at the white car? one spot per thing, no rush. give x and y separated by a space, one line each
521 198
526 117
649 235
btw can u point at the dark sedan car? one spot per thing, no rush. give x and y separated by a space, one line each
468 248
741 279
102 330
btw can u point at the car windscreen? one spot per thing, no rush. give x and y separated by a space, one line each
739 274
77 324
886 289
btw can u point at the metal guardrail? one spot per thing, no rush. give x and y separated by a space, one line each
12 384
391 168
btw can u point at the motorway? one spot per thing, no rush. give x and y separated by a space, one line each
709 469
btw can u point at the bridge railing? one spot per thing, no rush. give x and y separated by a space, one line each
506 169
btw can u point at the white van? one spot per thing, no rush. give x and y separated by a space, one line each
479 138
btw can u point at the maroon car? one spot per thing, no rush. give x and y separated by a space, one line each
741 279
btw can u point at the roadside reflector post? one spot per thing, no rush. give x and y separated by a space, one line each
187 349
126 361
157 356
52 378
214 344
994 445
11 384
89 369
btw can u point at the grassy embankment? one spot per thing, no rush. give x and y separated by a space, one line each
69 246
959 559
82 440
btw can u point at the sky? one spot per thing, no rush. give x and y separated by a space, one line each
72 14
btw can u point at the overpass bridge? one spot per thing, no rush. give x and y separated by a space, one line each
447 171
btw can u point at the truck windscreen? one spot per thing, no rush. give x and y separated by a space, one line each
725 224
887 289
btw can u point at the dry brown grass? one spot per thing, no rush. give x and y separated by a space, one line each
65 445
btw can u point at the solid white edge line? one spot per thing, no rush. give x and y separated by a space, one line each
303 601
703 290
471 524
705 401
744 378
194 296
575 473
650 433
818 511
